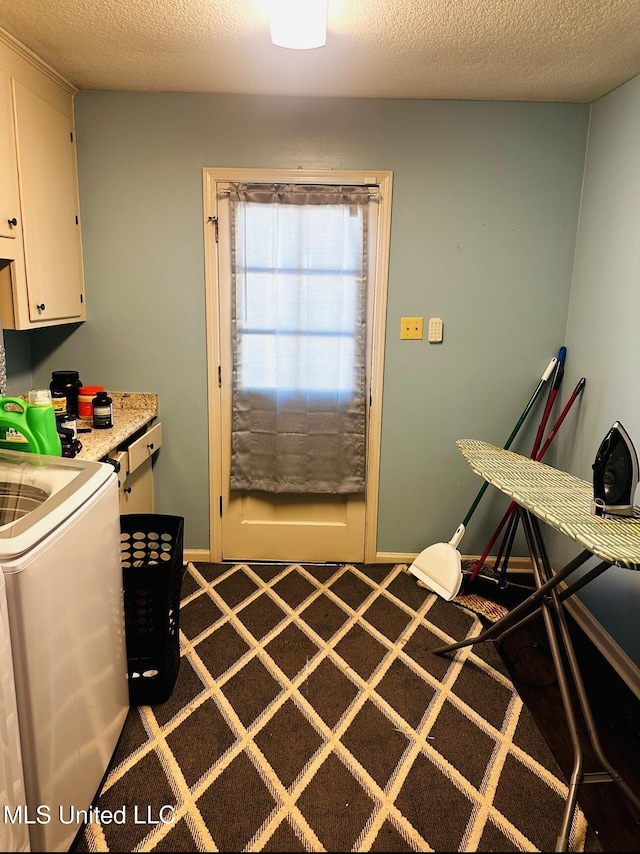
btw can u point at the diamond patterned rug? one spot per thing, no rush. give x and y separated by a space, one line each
310 715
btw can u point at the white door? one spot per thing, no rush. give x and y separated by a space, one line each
249 525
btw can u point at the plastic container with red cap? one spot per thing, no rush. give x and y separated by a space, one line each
86 393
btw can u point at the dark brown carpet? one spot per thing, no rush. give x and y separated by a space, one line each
310 715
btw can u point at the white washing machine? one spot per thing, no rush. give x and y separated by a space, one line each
60 557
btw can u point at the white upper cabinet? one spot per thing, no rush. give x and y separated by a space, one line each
9 199
41 274
49 202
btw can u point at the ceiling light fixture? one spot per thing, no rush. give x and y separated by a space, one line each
298 24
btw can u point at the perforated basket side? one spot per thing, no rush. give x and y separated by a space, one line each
152 571
151 539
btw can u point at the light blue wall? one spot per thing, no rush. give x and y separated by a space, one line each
485 212
18 355
603 330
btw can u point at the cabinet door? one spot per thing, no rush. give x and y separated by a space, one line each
136 493
9 203
48 190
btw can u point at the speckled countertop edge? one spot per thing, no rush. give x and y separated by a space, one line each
131 412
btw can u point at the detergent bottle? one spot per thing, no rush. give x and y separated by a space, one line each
30 425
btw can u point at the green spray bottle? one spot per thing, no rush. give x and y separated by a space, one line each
30 425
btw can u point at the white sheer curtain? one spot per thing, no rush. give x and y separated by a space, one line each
299 332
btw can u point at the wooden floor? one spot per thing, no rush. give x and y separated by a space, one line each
615 709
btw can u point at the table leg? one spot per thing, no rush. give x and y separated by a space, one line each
539 561
561 594
547 599
552 609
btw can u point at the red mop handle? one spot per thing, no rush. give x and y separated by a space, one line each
513 506
576 393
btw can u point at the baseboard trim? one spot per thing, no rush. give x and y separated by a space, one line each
516 564
393 557
202 555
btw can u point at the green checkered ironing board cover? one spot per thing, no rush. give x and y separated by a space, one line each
559 499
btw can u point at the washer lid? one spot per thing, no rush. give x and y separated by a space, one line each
37 493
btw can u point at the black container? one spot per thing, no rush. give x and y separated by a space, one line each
102 411
152 572
68 382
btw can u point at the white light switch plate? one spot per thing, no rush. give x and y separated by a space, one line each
435 330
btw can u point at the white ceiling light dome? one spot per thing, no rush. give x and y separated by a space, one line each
298 24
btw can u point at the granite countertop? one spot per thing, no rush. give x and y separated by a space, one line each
131 412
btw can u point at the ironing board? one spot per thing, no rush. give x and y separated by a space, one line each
563 502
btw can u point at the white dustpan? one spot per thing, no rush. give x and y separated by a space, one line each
439 567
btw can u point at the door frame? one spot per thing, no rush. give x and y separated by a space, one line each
383 179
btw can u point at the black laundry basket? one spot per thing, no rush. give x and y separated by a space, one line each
151 551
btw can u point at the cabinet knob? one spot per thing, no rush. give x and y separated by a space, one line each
127 489
41 306
150 446
13 221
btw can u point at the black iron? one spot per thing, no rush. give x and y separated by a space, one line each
615 474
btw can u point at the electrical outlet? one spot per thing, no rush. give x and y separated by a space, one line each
411 327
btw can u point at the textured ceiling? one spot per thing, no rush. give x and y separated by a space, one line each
519 50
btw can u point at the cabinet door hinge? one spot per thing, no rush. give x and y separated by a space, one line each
214 220
81 297
77 220
71 136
